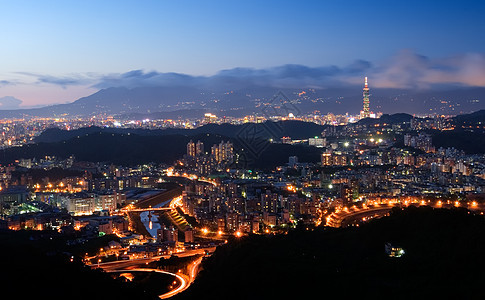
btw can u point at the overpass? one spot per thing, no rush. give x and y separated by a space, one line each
174 190
145 209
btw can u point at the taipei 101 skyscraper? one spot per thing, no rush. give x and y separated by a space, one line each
365 112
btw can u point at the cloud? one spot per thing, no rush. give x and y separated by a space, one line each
138 78
406 70
63 81
410 70
5 83
468 69
290 75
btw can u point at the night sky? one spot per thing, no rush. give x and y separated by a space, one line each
59 51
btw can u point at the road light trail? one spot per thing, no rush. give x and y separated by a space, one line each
184 282
185 279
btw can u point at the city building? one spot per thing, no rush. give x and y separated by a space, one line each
167 234
422 141
210 118
292 161
317 141
199 148
334 158
223 152
191 149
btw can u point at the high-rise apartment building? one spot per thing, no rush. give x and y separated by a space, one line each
191 149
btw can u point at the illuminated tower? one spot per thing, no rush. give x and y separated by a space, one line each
365 111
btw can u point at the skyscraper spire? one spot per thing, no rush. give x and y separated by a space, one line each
365 111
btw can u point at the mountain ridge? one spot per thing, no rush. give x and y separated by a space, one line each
123 101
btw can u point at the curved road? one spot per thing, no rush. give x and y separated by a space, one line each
184 283
343 218
185 279
373 212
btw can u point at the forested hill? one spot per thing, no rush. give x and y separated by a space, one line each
132 149
267 130
443 259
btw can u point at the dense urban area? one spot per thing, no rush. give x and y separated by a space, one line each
242 150
131 195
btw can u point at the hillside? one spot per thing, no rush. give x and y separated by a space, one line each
387 119
132 149
39 264
443 259
293 129
470 142
471 119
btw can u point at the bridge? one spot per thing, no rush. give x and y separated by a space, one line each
173 190
145 209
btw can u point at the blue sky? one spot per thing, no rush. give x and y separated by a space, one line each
83 39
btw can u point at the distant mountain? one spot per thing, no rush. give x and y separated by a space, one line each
188 101
9 102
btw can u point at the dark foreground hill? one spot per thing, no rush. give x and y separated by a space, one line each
443 260
40 265
267 130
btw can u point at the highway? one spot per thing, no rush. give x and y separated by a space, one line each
185 280
344 217
168 200
364 215
124 264
145 209
134 266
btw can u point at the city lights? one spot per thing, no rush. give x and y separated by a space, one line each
242 150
